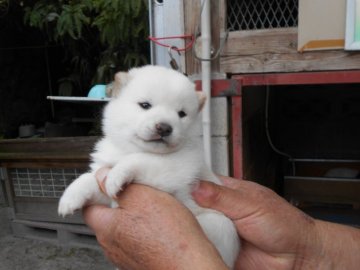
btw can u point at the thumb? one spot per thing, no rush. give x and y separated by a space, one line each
235 204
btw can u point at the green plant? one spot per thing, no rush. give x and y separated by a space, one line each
100 37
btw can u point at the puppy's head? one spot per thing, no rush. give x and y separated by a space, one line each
153 109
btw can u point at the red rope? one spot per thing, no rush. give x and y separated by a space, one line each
188 45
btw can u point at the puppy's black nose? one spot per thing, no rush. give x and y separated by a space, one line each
163 129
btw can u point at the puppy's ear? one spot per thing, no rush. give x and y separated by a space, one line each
120 80
202 98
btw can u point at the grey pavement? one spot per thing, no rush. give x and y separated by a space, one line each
26 254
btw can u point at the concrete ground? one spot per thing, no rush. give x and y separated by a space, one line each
25 254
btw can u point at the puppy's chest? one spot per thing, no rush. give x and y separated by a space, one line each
171 172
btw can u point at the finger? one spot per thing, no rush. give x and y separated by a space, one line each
251 257
103 220
98 217
100 176
235 204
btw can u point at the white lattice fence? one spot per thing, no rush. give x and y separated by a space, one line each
49 183
261 14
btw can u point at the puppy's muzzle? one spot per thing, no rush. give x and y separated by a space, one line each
163 129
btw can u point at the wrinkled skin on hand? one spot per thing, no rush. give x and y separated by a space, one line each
277 235
151 230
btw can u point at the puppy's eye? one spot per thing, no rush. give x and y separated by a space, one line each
181 114
145 105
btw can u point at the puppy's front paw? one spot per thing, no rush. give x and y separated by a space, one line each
67 206
115 180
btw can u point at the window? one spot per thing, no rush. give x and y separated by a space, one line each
261 14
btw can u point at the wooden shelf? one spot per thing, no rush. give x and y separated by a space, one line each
46 151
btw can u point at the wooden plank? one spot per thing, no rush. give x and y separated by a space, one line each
44 156
47 152
322 77
41 160
222 20
37 164
191 22
263 51
237 137
38 145
215 32
29 209
319 61
258 42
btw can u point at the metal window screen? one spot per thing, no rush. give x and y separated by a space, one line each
261 14
49 183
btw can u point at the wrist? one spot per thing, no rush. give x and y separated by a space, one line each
333 246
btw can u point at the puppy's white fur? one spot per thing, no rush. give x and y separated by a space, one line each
136 152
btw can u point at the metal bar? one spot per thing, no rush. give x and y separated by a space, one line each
151 31
304 78
236 136
322 179
232 87
326 160
222 88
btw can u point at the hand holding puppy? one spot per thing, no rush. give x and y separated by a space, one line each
277 235
152 230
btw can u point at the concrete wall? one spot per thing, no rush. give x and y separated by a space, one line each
220 135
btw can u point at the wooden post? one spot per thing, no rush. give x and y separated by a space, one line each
192 14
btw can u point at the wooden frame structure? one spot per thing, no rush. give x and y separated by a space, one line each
260 51
262 57
249 58
232 88
42 154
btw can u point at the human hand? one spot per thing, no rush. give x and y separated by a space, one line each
151 230
275 234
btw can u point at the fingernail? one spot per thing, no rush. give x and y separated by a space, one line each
202 190
100 176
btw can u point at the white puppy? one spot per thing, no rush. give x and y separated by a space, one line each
149 138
